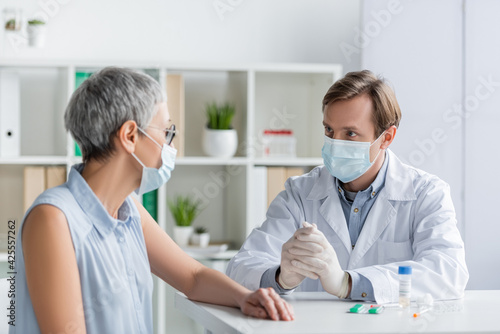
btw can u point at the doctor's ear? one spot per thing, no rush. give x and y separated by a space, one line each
128 134
388 137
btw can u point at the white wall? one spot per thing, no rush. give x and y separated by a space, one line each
193 31
438 57
424 64
482 151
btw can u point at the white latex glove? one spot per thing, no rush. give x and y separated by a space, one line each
314 255
291 276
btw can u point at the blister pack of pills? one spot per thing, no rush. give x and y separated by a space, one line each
369 309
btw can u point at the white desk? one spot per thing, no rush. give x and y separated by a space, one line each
217 260
317 312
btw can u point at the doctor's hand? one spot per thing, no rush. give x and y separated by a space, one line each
291 276
316 256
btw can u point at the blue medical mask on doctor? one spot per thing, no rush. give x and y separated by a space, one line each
153 178
347 160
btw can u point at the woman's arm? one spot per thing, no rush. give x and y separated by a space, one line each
169 262
52 272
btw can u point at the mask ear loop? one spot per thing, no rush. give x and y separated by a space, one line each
147 135
378 137
379 149
133 154
136 158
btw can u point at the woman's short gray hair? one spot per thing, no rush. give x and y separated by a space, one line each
106 100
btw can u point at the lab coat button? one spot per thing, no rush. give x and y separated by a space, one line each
363 294
121 239
130 271
356 210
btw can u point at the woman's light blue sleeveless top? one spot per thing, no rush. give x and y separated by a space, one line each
112 260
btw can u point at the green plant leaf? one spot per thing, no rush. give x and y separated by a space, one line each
184 210
200 230
35 22
212 115
220 117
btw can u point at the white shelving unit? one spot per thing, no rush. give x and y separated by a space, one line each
266 96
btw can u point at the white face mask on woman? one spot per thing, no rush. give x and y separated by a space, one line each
347 160
154 178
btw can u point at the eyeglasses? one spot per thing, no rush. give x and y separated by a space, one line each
169 133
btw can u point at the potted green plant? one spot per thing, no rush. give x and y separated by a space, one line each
219 138
13 18
12 25
36 33
184 210
200 237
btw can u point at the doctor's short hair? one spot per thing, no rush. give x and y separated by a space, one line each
104 102
386 111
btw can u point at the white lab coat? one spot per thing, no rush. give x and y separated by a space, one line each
412 222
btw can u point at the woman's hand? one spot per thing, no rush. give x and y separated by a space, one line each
266 304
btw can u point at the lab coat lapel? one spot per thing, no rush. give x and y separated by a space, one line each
332 212
381 214
398 187
331 209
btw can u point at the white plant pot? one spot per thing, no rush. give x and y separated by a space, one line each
36 35
200 239
220 143
182 235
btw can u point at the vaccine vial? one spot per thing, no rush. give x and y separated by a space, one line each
404 286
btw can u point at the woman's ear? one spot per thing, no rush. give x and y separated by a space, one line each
389 135
128 136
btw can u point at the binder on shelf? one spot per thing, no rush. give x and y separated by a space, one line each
276 178
175 104
78 152
79 78
34 184
275 182
54 176
292 171
150 203
259 201
10 114
38 178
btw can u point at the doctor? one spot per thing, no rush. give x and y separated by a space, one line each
345 227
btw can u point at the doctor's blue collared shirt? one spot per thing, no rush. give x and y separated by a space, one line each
355 212
115 276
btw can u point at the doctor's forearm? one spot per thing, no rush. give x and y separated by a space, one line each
350 286
360 288
269 279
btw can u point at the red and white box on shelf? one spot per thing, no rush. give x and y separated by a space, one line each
279 144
